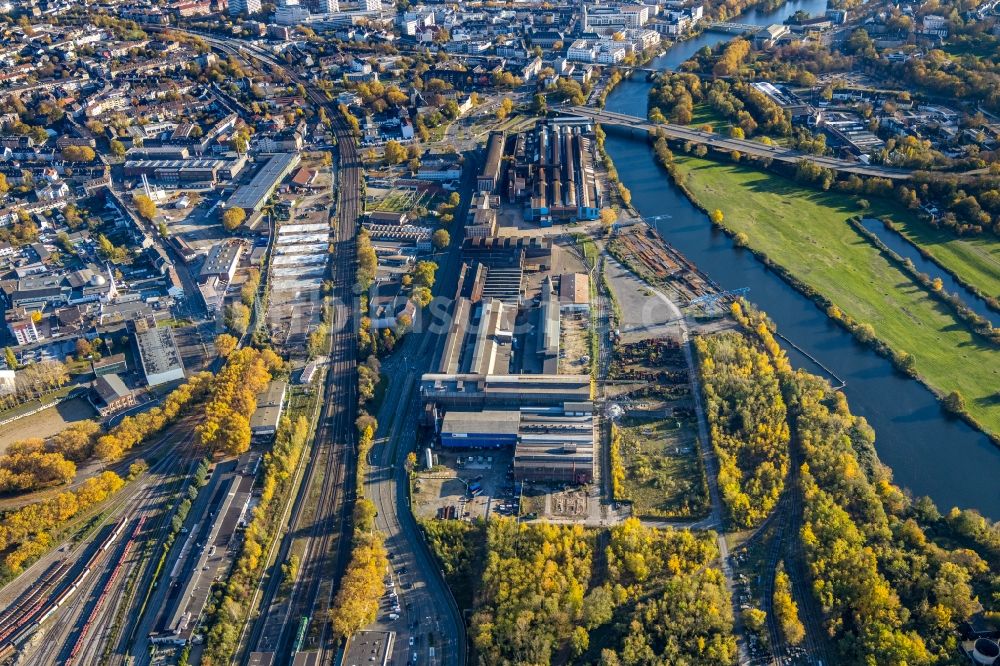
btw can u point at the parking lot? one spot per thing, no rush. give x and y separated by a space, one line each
466 485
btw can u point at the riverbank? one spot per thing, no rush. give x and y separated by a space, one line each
974 260
806 233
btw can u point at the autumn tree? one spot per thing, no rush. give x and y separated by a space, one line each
504 108
440 239
225 344
145 206
394 153
76 441
233 217
786 611
608 217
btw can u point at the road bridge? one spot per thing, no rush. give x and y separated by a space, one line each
732 28
744 146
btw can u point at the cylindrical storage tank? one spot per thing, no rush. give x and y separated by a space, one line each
985 652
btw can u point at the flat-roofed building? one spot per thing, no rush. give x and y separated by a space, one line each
174 171
158 353
480 429
549 328
108 365
483 223
252 196
270 406
222 261
368 648
490 175
471 390
551 444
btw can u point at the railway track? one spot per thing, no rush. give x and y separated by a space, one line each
328 546
59 605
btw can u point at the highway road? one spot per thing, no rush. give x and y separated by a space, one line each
745 146
428 613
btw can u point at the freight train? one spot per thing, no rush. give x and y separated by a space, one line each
32 611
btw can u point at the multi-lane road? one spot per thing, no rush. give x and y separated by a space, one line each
428 614
745 146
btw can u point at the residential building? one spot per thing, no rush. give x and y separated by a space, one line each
241 7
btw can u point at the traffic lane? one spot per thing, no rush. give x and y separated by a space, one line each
435 599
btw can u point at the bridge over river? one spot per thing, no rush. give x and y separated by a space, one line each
745 146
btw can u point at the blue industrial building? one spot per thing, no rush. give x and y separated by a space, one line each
487 429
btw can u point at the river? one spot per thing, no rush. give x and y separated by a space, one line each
930 453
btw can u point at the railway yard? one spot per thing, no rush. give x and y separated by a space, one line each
71 606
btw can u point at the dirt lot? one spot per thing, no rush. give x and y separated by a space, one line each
574 343
46 422
197 224
445 488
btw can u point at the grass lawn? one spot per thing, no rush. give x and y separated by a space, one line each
703 114
976 259
662 475
805 231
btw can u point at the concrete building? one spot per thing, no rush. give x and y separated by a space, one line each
109 365
614 17
158 353
490 175
369 648
270 406
22 328
252 196
243 7
480 429
549 328
468 390
222 261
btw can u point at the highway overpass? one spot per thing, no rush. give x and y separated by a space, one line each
745 146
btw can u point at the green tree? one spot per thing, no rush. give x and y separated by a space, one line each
237 318
954 402
539 105
10 358
117 148
424 273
